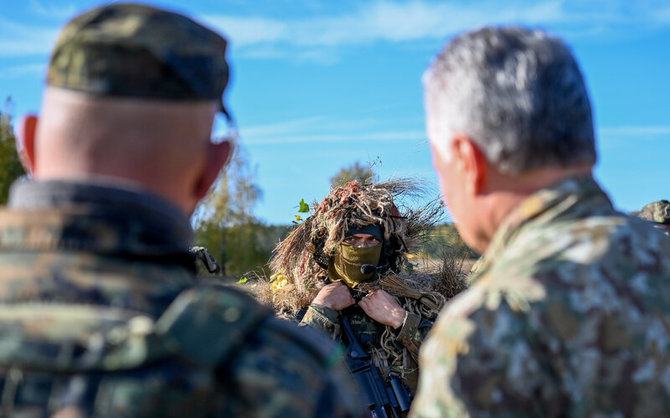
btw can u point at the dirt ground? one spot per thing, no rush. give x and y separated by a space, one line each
430 264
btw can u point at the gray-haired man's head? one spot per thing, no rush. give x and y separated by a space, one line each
517 93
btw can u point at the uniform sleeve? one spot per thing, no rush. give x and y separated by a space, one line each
488 363
322 318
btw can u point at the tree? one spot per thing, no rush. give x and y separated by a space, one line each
446 236
10 163
355 171
225 223
233 196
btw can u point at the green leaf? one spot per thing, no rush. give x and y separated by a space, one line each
304 207
243 280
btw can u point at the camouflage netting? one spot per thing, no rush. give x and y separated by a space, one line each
300 261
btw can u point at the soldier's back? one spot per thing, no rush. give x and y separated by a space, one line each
567 317
101 315
214 352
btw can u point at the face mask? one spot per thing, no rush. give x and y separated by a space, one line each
347 261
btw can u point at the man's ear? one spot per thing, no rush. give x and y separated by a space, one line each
26 142
218 155
472 163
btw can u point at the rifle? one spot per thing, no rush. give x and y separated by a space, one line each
383 400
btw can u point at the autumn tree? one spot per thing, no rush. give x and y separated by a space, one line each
225 223
447 236
10 164
356 171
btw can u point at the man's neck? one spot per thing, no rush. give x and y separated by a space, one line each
504 193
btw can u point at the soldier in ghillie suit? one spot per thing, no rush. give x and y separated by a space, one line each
349 260
659 213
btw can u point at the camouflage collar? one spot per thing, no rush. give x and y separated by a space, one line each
102 218
564 199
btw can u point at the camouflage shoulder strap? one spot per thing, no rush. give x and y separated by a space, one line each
207 322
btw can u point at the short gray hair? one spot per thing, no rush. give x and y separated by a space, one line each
517 93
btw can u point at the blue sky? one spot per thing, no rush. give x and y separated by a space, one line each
320 84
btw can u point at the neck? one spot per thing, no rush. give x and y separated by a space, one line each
504 193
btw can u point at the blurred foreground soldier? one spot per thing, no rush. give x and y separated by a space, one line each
345 269
659 213
101 314
569 313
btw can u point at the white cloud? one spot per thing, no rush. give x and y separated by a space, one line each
320 138
662 16
321 129
313 37
250 30
22 40
51 10
282 128
23 70
384 21
393 21
635 131
614 138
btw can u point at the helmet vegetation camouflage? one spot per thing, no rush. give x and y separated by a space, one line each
658 212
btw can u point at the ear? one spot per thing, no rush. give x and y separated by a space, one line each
26 142
218 155
472 163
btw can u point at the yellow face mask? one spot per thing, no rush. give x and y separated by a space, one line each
347 261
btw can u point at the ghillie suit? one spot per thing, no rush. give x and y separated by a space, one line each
300 267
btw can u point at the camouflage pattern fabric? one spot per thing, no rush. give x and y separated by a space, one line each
101 315
658 212
408 338
134 50
568 316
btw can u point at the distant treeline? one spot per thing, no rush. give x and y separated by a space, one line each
248 247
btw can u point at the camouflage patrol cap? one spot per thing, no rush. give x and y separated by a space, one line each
658 212
134 50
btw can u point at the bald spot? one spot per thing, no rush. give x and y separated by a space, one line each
158 144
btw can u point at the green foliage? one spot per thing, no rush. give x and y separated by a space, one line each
302 208
241 248
10 163
444 237
225 224
231 200
355 171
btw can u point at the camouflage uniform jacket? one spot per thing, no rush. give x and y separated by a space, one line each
101 315
406 340
568 316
